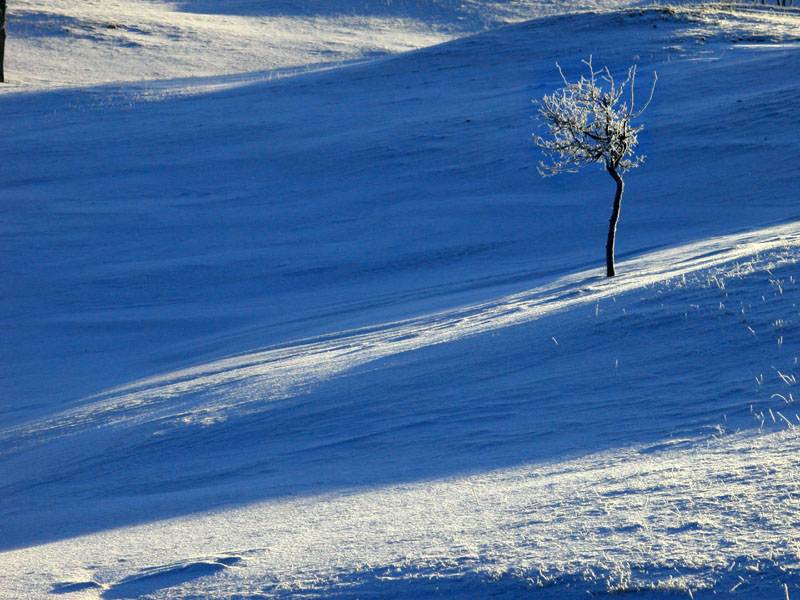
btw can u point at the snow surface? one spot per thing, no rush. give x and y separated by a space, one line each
67 43
278 330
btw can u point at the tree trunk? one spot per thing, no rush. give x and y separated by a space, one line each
2 39
612 222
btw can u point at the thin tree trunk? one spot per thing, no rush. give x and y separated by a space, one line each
2 39
612 222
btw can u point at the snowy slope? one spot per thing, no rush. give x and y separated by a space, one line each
331 334
266 195
64 43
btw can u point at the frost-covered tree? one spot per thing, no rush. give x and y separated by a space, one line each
589 121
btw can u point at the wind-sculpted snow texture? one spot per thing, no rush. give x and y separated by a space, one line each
63 43
329 335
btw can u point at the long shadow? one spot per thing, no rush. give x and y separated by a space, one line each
560 386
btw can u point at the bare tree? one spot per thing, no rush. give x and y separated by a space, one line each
2 39
589 121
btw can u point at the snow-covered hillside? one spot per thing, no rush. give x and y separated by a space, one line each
329 334
64 43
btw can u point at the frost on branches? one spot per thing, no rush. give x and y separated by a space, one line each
589 121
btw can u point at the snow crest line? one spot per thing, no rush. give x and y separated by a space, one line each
205 393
